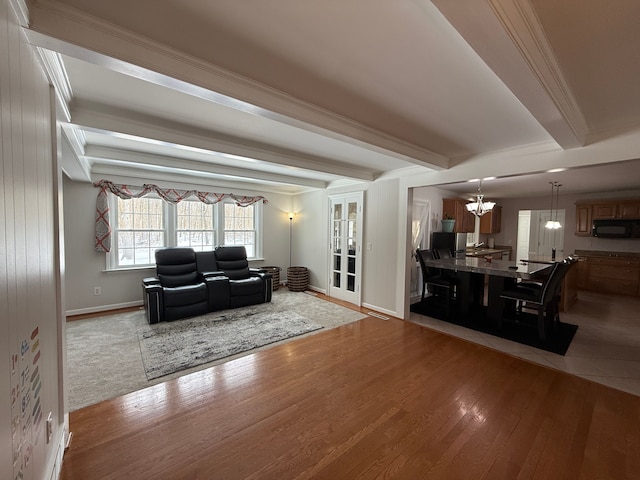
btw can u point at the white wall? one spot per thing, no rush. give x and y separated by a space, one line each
380 237
28 298
380 259
86 267
310 236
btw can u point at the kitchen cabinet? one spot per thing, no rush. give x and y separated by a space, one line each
583 220
613 273
623 208
491 222
456 208
604 210
589 210
583 265
629 209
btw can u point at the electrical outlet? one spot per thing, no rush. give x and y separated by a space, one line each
97 290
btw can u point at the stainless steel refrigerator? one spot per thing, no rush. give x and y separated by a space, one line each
456 243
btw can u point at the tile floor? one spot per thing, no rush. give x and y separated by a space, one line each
605 349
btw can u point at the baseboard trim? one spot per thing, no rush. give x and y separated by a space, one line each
380 310
103 308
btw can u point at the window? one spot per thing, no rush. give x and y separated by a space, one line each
143 225
139 231
239 227
195 225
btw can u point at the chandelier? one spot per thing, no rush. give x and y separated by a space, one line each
480 207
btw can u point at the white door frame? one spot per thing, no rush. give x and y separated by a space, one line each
342 291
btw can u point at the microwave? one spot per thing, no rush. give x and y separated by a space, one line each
616 228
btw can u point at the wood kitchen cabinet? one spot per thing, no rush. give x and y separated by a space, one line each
624 208
629 209
604 210
456 208
583 220
610 274
491 222
589 210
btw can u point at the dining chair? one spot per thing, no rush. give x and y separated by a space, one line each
441 288
544 298
442 253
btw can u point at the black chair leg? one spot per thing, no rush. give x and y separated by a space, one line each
542 330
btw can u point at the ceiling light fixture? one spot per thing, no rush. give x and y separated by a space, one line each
554 224
480 207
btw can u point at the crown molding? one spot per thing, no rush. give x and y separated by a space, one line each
54 69
523 26
75 166
65 29
141 126
21 10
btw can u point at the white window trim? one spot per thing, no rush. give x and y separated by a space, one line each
170 232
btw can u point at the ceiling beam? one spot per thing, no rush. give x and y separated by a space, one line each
64 29
507 35
107 155
108 119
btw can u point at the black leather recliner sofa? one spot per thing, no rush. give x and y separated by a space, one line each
192 283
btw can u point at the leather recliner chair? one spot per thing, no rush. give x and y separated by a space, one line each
179 290
245 286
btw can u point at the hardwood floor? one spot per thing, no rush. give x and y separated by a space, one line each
371 399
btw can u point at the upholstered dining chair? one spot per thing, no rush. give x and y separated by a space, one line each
544 297
441 287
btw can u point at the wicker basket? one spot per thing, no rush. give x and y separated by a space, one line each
297 279
275 275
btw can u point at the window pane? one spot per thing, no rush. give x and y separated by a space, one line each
195 225
239 225
139 231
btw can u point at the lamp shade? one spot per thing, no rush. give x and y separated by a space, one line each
479 207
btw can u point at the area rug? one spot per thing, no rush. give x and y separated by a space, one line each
169 347
524 331
104 352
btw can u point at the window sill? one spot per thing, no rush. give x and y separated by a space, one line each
152 267
128 269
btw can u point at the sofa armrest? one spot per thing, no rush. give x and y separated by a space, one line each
206 275
267 278
152 296
219 294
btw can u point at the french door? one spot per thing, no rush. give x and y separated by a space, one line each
345 255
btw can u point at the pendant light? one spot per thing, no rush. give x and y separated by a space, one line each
553 223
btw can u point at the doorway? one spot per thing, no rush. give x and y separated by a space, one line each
345 255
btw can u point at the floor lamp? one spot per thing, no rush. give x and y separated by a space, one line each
290 234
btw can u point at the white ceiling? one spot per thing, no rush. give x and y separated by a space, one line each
286 96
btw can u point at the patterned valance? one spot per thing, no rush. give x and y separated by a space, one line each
171 195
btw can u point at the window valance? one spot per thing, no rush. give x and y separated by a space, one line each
171 195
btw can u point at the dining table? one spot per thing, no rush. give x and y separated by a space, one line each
471 273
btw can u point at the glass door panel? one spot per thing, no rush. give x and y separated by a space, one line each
345 266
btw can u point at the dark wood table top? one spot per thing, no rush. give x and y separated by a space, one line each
499 268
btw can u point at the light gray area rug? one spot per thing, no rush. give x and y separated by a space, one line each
104 354
169 347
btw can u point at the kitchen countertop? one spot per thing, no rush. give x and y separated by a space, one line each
483 251
598 253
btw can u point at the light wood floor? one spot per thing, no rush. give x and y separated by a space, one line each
371 399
